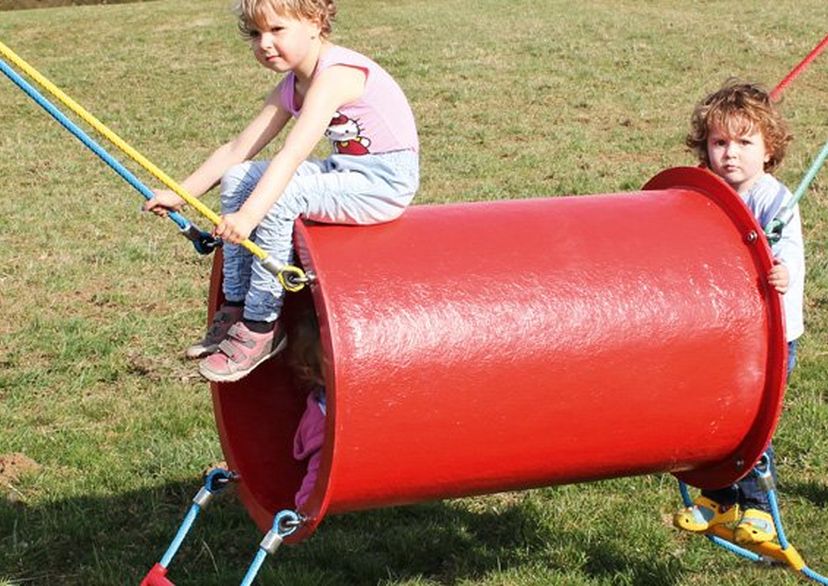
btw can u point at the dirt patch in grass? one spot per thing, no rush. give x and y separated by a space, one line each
28 4
14 466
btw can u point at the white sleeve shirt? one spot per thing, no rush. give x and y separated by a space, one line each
765 199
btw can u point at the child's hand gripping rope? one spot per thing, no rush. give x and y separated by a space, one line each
292 278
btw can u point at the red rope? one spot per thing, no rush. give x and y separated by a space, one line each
798 69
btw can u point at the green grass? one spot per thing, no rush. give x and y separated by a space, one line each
28 4
521 99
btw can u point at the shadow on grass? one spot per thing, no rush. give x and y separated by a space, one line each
115 540
816 492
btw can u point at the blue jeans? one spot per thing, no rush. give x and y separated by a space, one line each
747 492
342 189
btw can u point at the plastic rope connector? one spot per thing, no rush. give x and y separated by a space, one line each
157 576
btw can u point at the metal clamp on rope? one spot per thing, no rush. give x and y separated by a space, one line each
773 231
216 481
763 474
292 278
203 242
271 542
285 523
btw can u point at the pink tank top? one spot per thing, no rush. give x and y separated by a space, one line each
378 122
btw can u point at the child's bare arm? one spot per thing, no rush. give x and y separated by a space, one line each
336 86
258 133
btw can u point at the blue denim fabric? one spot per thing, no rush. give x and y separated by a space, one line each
747 491
342 189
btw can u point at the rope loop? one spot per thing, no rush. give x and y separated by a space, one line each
293 278
284 523
287 522
218 479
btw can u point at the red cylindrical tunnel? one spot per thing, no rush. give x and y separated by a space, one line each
481 347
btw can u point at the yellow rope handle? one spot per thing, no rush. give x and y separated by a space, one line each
297 275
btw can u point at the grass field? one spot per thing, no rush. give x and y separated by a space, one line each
104 429
29 4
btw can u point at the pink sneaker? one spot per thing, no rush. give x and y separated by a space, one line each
240 352
223 319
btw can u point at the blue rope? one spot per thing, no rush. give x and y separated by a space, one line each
783 540
214 483
814 576
255 566
284 523
738 550
201 240
777 520
183 530
685 494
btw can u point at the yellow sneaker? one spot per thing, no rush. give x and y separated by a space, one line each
704 514
755 526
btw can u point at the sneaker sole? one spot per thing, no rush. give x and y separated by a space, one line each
235 376
200 352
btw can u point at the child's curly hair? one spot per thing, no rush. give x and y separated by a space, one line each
739 107
251 13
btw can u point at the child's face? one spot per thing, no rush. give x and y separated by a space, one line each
737 156
283 43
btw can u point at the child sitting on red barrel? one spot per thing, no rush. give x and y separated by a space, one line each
370 177
738 133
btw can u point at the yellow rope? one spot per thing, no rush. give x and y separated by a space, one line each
146 164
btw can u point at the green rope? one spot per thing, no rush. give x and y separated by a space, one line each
773 230
812 172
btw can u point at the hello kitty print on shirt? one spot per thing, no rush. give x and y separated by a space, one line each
345 136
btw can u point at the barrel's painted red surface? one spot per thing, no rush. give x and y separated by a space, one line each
483 347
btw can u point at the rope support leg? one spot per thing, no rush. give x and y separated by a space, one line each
216 481
768 552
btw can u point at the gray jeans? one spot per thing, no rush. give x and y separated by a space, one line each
342 189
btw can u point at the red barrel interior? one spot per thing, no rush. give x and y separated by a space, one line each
481 347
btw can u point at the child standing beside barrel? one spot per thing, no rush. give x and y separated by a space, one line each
739 135
370 177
